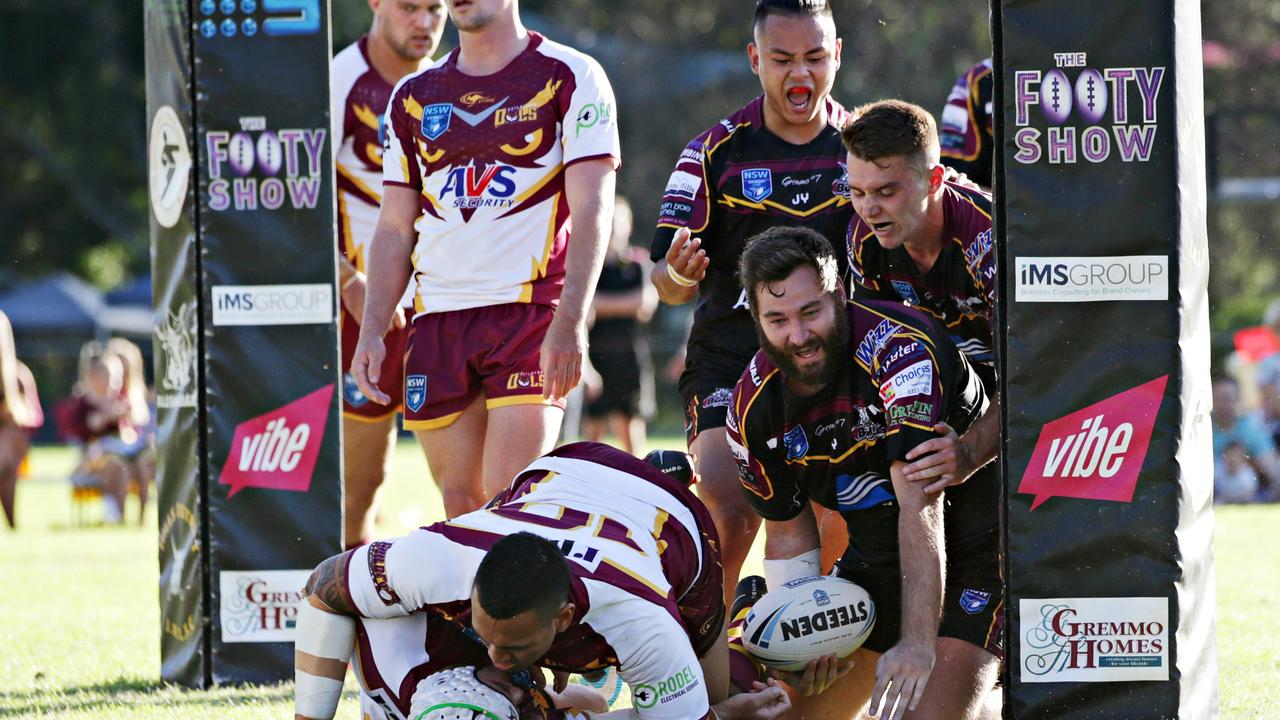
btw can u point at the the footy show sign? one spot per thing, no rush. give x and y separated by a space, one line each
1100 191
241 191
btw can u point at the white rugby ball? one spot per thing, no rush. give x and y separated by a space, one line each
806 619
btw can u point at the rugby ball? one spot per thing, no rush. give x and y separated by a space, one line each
806 619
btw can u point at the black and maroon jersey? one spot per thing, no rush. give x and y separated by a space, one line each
835 448
959 290
646 580
734 181
965 131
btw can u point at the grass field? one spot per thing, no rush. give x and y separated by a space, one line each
79 620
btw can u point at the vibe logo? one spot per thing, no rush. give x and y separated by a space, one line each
474 187
1124 96
278 450
1095 453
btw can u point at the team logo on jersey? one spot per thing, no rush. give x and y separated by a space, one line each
906 291
351 392
797 443
415 392
974 601
861 492
757 184
435 120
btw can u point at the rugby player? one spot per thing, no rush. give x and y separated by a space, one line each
775 161
923 240
488 153
826 412
590 558
966 133
403 34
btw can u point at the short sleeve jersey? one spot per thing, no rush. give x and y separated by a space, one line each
902 375
960 288
965 131
359 98
487 156
632 537
734 181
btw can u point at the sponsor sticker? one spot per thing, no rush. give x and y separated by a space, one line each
915 379
309 304
1121 639
176 361
682 184
278 450
1091 279
260 605
169 166
1095 453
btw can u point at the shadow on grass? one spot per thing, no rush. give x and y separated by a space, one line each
133 692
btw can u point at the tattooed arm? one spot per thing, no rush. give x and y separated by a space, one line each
327 588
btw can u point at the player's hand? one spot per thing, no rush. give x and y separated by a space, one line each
398 320
951 175
943 461
818 675
366 365
766 701
686 256
901 675
561 356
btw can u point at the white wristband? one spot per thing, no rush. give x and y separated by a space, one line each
327 636
782 571
679 279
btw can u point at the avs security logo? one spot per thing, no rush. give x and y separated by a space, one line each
757 184
470 187
1085 112
268 168
1095 453
1115 639
278 450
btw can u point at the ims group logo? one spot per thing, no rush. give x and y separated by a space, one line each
1085 112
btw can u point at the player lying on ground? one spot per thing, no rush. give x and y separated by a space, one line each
591 558
827 411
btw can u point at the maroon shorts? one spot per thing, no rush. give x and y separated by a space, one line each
455 355
354 404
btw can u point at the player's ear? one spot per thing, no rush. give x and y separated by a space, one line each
839 45
937 174
753 54
564 617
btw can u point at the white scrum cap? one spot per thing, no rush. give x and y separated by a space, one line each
456 694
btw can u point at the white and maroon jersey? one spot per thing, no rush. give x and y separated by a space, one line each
359 97
487 155
646 581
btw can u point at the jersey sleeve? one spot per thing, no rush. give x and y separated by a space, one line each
912 373
965 130
399 145
397 577
771 490
590 127
686 201
659 666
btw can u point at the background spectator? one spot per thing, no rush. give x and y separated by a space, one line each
20 414
1232 426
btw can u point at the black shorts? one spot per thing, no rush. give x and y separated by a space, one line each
972 603
706 387
627 382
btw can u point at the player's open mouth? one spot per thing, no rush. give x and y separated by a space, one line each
882 227
798 98
808 353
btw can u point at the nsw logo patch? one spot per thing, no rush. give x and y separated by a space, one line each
435 119
757 184
974 601
415 392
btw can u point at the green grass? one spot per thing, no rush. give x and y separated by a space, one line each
79 619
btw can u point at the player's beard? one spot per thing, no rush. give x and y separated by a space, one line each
834 344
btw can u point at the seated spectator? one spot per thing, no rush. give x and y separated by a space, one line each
1234 479
97 416
1231 425
140 420
20 415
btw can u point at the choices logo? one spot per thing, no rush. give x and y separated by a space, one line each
1095 453
1115 110
278 450
1122 639
260 605
1091 279
271 167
